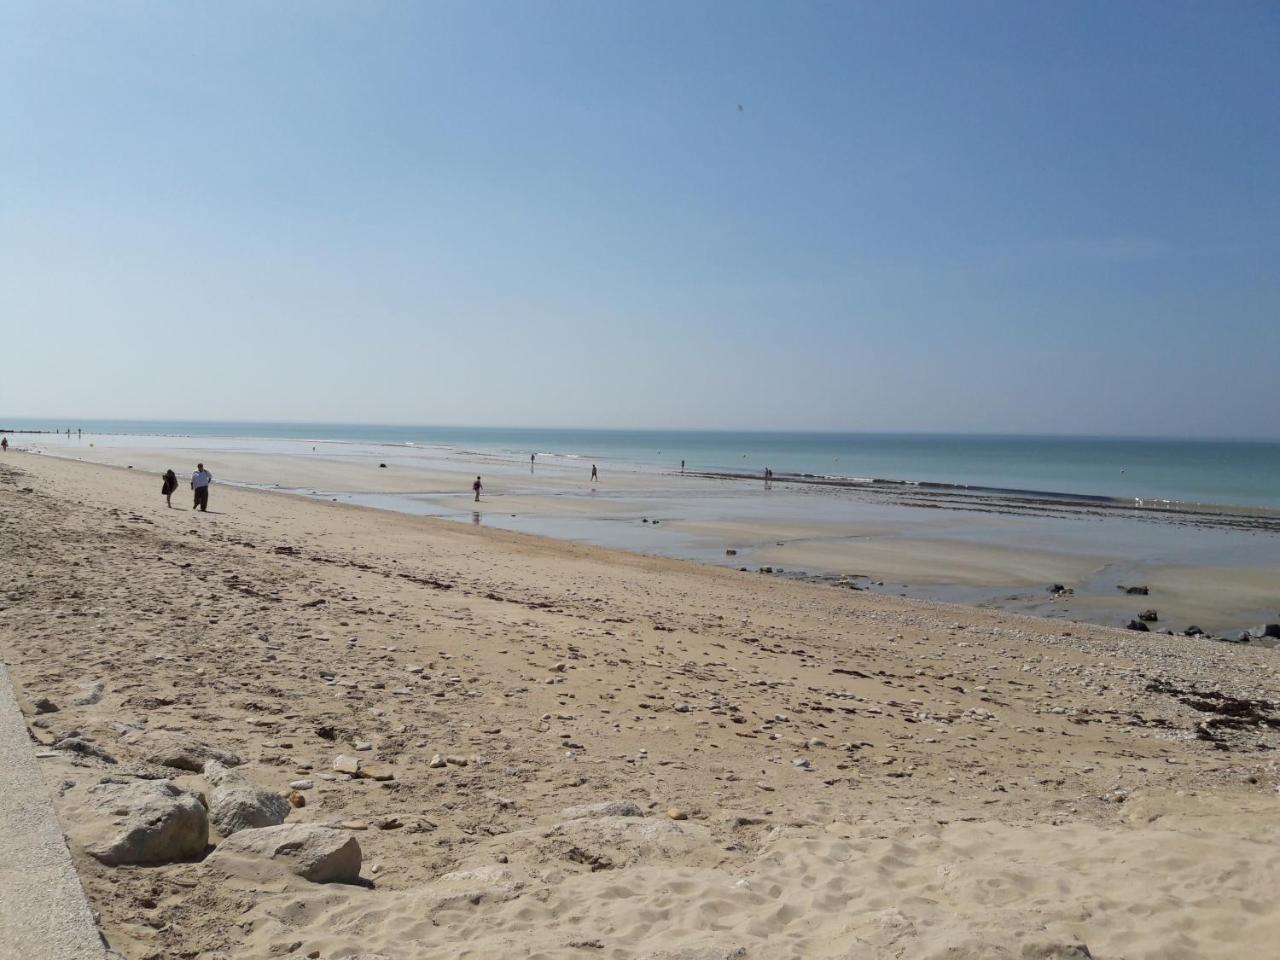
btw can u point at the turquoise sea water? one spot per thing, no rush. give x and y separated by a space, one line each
1236 472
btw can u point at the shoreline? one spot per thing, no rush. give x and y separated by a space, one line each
1015 496
926 493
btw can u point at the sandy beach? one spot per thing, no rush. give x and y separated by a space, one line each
1215 570
566 751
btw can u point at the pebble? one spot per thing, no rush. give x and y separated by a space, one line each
437 761
675 813
302 785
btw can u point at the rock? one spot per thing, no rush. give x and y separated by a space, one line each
610 808
1134 591
296 799
156 821
1148 616
675 813
456 761
346 764
1054 950
302 785
43 705
1137 625
1265 630
83 747
237 803
1193 631
90 694
437 762
731 553
318 854
382 466
377 771
181 752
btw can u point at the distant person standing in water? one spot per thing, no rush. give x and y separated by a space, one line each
477 487
200 481
595 475
169 485
682 466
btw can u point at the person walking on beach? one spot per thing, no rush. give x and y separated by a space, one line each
595 475
200 481
477 487
4 444
169 485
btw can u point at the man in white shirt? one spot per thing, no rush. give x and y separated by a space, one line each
200 481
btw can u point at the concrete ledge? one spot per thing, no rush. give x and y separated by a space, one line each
43 911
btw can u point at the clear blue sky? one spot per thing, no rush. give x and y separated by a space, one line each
1044 217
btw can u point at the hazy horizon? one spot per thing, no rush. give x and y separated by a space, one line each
991 218
54 424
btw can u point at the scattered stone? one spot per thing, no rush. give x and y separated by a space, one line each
377 771
302 785
1193 631
84 748
437 762
456 760
181 752
1148 616
296 799
1265 630
1134 591
156 821
609 808
1137 625
91 694
346 764
675 813
44 705
318 854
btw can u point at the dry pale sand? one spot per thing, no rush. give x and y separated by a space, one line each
850 775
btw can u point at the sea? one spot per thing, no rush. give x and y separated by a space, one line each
1240 473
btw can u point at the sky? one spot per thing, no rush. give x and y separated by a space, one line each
980 216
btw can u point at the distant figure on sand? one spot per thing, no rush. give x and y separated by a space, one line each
477 487
200 481
682 466
169 485
595 475
4 444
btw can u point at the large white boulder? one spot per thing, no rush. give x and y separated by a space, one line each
236 803
315 853
147 822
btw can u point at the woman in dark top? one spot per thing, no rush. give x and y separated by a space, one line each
170 484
